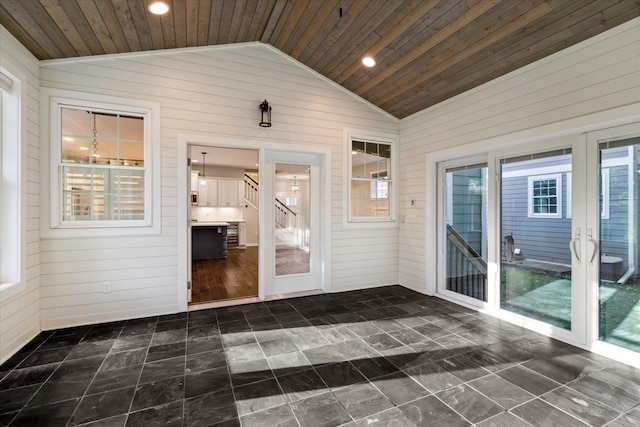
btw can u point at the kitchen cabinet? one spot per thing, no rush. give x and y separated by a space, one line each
218 192
230 192
208 192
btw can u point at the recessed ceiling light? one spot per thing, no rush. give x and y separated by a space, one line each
67 138
84 148
158 8
194 161
368 61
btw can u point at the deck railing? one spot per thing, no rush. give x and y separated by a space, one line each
466 270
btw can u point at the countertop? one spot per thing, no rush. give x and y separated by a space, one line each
209 224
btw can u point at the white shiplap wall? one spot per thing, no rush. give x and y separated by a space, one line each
20 314
215 92
561 94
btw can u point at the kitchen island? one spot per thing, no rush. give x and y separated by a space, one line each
209 240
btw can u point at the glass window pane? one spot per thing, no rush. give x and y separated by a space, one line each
536 260
619 284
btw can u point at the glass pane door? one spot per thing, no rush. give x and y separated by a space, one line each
535 233
292 215
619 279
466 227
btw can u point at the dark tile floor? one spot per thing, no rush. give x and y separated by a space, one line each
378 357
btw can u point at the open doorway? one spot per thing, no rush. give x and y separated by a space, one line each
224 213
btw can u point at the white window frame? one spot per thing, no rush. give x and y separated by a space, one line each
55 100
12 188
350 221
530 181
604 214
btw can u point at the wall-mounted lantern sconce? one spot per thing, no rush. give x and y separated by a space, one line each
265 114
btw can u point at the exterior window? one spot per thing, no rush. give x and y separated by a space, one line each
10 186
101 165
545 196
370 181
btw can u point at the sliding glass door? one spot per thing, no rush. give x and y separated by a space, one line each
536 236
615 271
464 232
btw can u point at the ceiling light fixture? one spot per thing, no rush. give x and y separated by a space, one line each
368 61
158 8
202 180
295 187
265 114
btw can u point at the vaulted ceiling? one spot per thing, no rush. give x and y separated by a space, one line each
426 50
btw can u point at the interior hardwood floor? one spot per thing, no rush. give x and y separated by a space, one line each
291 261
230 278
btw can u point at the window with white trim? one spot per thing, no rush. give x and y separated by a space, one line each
545 196
101 164
10 166
370 180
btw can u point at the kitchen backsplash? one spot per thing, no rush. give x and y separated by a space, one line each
216 213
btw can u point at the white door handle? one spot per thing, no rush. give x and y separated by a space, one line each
574 245
594 245
575 248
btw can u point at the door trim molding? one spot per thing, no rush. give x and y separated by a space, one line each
260 144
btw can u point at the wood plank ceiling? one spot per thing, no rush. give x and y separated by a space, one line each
427 50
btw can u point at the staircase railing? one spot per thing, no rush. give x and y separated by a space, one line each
285 217
251 193
466 270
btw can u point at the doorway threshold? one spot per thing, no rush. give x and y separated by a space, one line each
223 303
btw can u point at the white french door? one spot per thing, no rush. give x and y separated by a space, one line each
613 266
554 229
293 226
542 239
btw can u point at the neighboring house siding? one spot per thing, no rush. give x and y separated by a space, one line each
211 91
549 97
20 316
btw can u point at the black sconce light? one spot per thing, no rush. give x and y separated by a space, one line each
265 114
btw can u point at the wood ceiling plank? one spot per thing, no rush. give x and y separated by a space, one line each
96 21
114 27
236 23
168 29
248 15
441 35
139 17
179 14
50 28
349 16
226 29
57 13
326 8
361 34
386 39
321 35
154 25
192 10
484 65
301 14
578 31
276 21
260 18
209 20
6 19
30 25
125 19
384 95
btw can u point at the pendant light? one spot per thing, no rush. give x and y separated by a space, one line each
202 180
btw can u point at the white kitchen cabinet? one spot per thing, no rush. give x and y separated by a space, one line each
230 192
242 234
208 192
